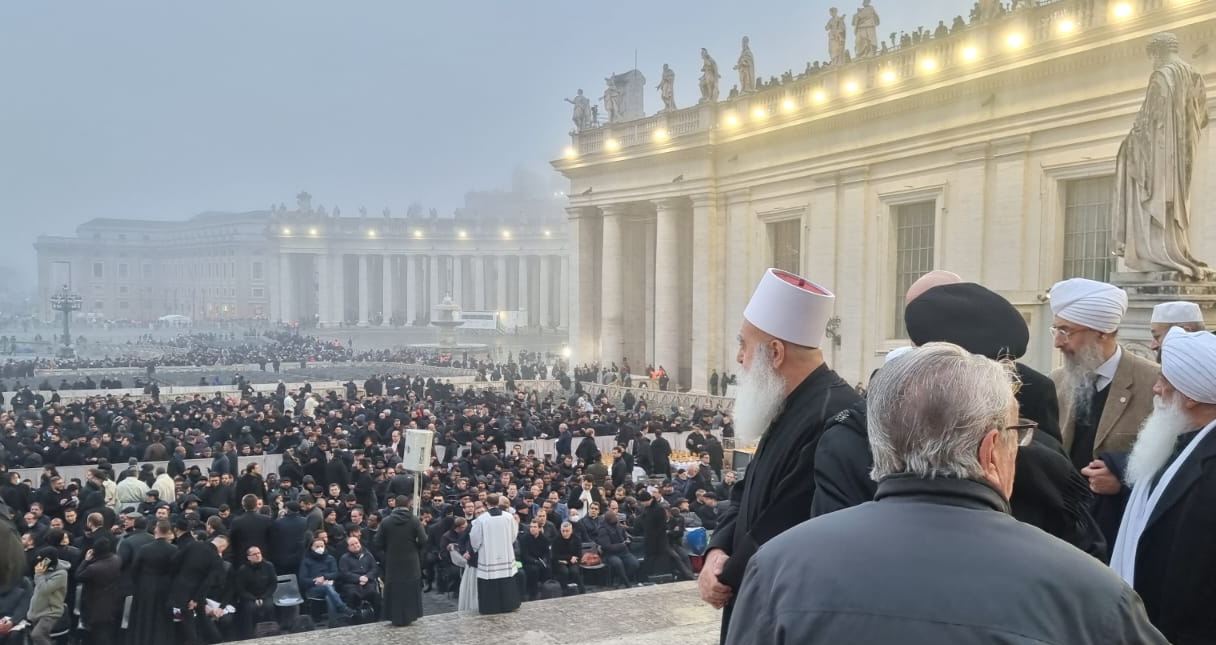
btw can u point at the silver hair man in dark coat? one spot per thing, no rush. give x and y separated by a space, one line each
936 558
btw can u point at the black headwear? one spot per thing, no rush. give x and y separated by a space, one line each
971 316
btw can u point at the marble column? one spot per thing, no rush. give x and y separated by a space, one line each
707 269
286 309
524 295
501 300
386 288
564 302
411 289
324 292
648 262
433 296
739 283
546 288
478 267
612 341
582 284
668 324
363 291
458 280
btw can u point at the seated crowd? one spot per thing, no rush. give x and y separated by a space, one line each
177 553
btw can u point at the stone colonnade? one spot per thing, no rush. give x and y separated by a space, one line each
330 289
655 268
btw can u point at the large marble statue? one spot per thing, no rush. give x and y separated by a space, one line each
1153 169
304 202
612 100
988 9
865 31
836 36
709 77
667 88
582 111
747 69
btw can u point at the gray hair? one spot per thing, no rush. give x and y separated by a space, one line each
929 409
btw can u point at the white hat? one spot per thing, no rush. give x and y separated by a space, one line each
1097 305
1176 313
790 308
896 353
1188 362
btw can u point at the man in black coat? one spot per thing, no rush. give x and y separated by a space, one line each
401 538
660 456
1164 546
194 563
621 472
255 583
358 574
250 529
660 557
287 540
787 394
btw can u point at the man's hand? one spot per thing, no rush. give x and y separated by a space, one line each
191 605
362 580
1101 480
713 592
318 580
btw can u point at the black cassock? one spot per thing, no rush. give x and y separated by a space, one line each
151 620
776 492
401 538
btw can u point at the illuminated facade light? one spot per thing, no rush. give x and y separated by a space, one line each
462 234
1123 10
928 65
286 231
612 144
312 232
548 233
851 87
660 135
506 235
732 120
889 76
371 233
1066 26
789 105
1015 40
819 96
759 113
570 152
418 233
970 54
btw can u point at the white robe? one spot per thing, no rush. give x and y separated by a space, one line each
467 600
493 538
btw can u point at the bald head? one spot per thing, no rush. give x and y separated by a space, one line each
934 278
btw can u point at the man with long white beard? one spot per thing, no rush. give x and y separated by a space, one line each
1165 548
1105 393
785 395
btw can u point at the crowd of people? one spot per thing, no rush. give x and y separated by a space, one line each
968 497
199 550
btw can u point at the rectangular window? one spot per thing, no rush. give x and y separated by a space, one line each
99 270
122 304
122 272
122 289
914 246
257 271
147 271
1087 228
786 239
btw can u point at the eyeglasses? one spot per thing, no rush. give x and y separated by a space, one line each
1025 429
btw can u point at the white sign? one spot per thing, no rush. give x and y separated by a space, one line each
417 456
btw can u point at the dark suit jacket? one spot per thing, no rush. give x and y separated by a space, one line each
1175 559
1127 406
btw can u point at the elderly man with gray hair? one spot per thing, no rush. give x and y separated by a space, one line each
936 558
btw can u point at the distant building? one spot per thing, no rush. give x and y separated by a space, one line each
503 254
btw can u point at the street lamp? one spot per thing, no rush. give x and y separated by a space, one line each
66 302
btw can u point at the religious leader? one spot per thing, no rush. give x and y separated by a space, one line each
1165 544
786 394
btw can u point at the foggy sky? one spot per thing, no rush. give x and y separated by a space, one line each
159 110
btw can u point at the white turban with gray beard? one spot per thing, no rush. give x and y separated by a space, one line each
759 398
1081 377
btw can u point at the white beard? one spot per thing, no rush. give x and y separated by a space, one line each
759 398
1080 376
1156 440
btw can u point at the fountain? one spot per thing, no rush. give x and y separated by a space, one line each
447 319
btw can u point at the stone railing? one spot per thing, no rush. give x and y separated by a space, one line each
983 44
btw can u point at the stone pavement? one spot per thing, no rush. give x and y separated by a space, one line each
671 613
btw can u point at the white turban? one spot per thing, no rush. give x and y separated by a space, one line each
790 308
1188 362
1176 313
1097 305
896 353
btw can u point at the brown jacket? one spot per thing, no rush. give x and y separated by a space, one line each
1127 406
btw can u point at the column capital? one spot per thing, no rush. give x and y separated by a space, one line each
581 212
671 203
615 210
704 200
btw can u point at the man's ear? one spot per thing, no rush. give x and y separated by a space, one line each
777 351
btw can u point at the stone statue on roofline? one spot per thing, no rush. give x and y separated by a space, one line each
746 66
667 88
836 37
1151 206
582 111
865 30
612 100
709 78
